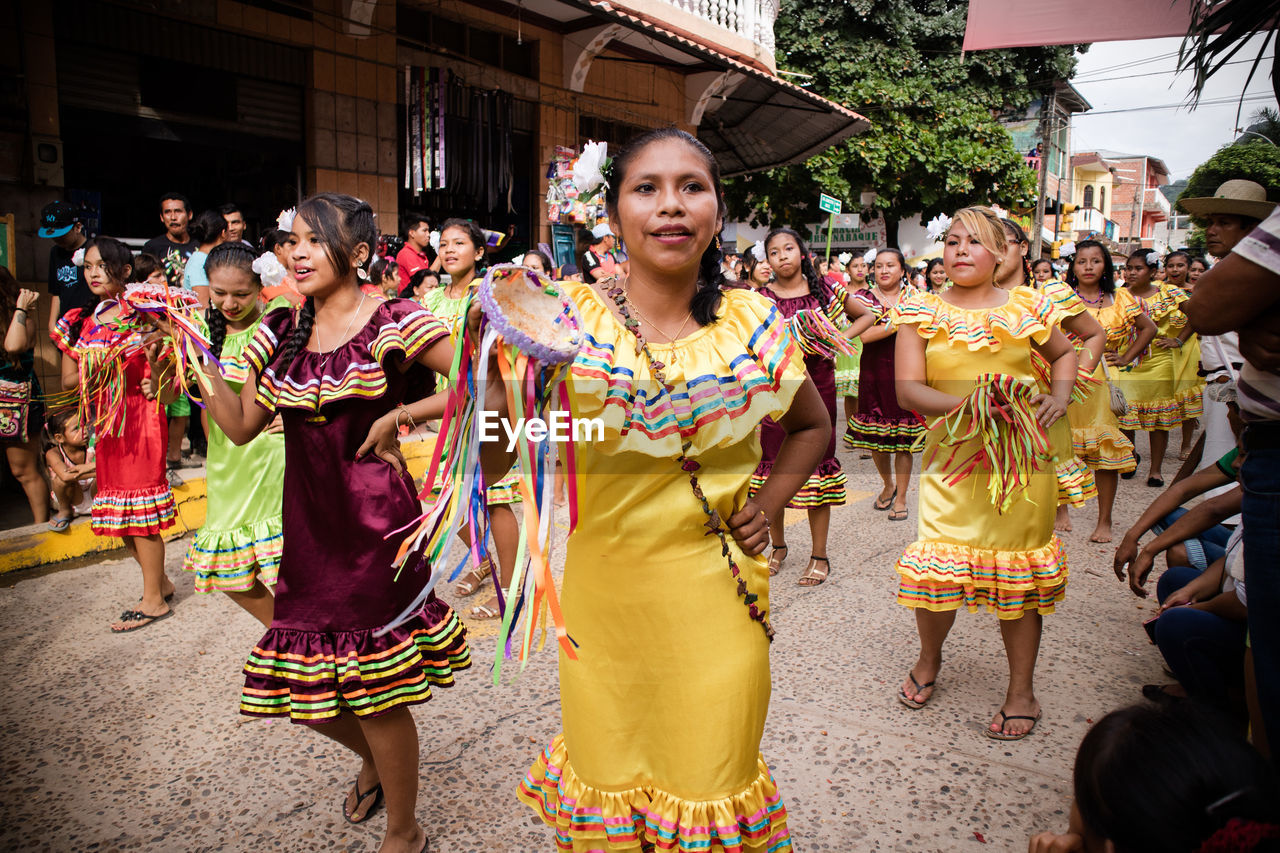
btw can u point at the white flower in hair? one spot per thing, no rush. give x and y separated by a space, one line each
285 220
77 257
938 227
1153 259
870 256
844 258
434 239
269 269
999 211
1067 248
588 170
757 250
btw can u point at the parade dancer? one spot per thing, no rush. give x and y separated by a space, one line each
340 373
881 425
124 392
237 550
847 366
1095 430
461 250
1076 483
798 288
664 705
1157 400
986 531
1177 266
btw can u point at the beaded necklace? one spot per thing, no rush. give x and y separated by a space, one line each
714 523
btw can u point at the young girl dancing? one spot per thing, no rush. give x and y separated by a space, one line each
237 551
340 373
798 288
665 704
461 251
986 538
109 362
847 365
881 425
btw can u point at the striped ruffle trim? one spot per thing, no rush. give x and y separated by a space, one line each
313 676
1103 449
133 512
825 487
884 435
1161 414
1026 314
231 560
846 387
1075 483
942 576
646 818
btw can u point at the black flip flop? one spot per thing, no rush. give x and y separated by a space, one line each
137 616
1005 718
876 504
907 700
360 798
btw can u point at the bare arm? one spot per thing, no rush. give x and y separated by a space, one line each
913 393
1091 334
1232 295
59 468
21 333
237 415
1057 350
1197 520
1146 333
383 438
861 316
1172 498
54 308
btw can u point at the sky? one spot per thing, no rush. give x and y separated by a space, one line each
1132 74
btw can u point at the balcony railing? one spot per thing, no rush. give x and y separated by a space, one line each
1090 219
1156 201
751 19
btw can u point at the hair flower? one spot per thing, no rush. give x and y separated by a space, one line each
999 211
870 256
269 269
1153 259
757 250
434 239
938 226
1067 248
589 169
844 257
285 220
77 257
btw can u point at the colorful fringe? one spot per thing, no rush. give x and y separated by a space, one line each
321 675
133 512
815 334
1012 444
1103 449
587 820
230 560
942 576
888 436
825 487
1076 484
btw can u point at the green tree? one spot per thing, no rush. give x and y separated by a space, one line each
935 143
1253 162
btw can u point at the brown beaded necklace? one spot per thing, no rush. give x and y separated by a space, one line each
714 523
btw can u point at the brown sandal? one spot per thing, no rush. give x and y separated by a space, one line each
812 576
776 561
474 580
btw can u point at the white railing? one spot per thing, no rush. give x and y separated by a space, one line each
751 19
1156 200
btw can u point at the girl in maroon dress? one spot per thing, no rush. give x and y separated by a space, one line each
108 362
796 289
340 373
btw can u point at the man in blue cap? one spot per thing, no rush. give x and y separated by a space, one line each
61 223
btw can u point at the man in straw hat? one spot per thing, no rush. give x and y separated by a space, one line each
1243 293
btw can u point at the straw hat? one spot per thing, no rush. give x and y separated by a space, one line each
1242 198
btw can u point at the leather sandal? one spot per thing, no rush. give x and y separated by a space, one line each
813 576
473 581
776 560
489 610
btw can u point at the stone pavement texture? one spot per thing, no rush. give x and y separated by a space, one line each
133 743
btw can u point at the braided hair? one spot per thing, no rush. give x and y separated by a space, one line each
240 257
341 223
705 304
807 270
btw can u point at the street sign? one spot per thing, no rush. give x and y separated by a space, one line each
828 204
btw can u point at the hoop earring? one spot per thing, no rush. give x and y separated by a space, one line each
362 274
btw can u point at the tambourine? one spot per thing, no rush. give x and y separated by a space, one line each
531 313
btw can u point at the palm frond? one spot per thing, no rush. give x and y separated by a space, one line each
1219 30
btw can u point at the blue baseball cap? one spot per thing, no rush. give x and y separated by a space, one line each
58 218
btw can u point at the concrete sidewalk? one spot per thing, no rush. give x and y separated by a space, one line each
115 743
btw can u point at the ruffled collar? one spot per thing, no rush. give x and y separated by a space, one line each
1026 313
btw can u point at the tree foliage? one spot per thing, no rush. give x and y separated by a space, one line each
936 142
1252 162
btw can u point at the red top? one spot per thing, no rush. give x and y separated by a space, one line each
410 260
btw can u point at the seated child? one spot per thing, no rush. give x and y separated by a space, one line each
71 469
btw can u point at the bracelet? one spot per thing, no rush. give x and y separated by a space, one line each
404 430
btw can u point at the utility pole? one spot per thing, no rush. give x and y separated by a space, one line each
1046 131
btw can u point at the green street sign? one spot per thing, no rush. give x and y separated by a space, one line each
828 204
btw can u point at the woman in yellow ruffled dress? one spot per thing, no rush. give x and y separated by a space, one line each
1095 430
1076 483
665 697
1177 266
988 487
1150 383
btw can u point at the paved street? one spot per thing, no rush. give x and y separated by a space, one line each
133 742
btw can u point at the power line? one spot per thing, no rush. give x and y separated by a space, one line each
1180 105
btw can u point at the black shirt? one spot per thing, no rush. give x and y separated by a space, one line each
172 256
66 281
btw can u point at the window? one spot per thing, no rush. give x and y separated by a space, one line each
1102 200
1088 195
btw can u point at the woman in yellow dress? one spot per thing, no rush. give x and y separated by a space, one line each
1150 382
1177 266
1076 483
665 698
986 536
1095 430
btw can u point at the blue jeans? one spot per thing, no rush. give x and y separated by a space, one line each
1205 652
1203 549
1260 476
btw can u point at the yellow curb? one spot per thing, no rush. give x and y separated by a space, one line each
37 545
